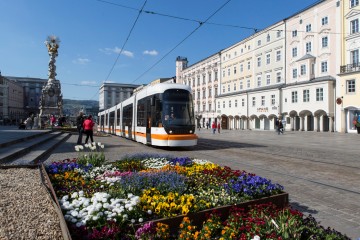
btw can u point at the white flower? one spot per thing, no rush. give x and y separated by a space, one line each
149 212
74 195
99 144
79 224
81 147
102 146
86 145
77 148
141 220
93 143
133 221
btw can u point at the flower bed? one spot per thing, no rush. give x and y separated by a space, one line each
154 197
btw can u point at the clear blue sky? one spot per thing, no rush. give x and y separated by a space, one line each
92 32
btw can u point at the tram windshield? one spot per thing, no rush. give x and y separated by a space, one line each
177 108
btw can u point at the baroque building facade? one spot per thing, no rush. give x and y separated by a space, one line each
288 70
348 89
203 78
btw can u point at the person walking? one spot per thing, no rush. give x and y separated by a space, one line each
280 127
357 124
79 126
213 127
28 123
52 121
36 122
218 127
88 129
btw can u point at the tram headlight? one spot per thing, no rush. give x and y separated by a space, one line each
190 131
170 131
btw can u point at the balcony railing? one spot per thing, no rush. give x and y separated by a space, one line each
350 68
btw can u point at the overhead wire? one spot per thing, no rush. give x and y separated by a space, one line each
183 40
127 38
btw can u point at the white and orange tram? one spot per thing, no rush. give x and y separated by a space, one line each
158 115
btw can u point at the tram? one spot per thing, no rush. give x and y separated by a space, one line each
159 114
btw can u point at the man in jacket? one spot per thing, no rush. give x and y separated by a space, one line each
79 125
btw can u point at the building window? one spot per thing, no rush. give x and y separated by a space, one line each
223 104
243 102
259 42
209 107
209 76
278 77
294 52
241 68
241 85
229 72
308 28
228 87
253 101
268 79
259 61
216 92
204 95
294 73
259 81
324 21
234 86
234 70
229 103
354 26
262 100
354 57
216 76
294 33
278 56
306 95
324 67
204 79
308 47
224 73
350 86
278 34
294 97
273 99
204 107
354 3
198 95
223 89
324 42
235 102
193 82
267 58
210 93
218 104
198 80
268 38
319 94
248 83
303 69
249 65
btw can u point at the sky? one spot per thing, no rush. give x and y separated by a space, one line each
114 41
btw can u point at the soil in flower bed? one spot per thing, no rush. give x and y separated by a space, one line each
26 208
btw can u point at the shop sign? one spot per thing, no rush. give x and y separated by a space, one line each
262 109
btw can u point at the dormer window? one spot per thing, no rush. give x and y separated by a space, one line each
308 28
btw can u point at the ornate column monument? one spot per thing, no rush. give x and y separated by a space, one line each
51 98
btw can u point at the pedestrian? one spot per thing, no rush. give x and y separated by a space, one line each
199 126
218 127
280 127
52 121
207 125
213 127
358 124
88 129
28 123
36 122
79 126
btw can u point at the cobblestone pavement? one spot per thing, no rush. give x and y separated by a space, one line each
320 171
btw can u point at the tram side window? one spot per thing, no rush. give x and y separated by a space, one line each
127 115
102 120
118 117
141 122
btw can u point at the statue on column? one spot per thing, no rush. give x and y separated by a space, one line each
51 98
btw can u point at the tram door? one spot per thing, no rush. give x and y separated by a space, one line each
149 117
